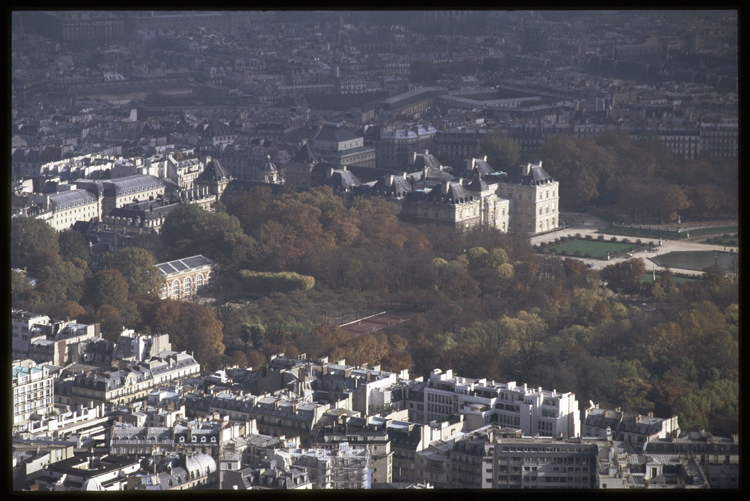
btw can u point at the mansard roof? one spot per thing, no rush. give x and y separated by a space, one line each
305 155
530 174
334 134
214 173
449 192
68 199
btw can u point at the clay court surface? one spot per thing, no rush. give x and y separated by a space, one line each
375 323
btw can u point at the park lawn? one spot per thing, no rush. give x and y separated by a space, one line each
597 249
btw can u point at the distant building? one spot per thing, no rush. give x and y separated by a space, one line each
338 146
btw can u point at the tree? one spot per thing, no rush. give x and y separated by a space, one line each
191 327
65 278
29 236
492 336
257 336
107 287
65 310
501 150
707 200
73 244
19 285
625 276
138 267
584 168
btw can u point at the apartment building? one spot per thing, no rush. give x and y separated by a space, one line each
25 325
133 382
630 427
544 463
183 170
533 410
370 432
61 343
33 391
395 144
277 416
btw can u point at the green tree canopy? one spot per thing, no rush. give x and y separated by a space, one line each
73 244
625 276
138 267
191 327
107 286
29 236
502 150
583 168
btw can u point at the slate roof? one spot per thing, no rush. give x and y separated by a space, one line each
449 192
69 199
333 133
305 155
536 176
213 172
130 184
342 180
623 421
393 186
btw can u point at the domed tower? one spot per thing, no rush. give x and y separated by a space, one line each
267 173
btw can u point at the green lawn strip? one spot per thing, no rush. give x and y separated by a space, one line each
643 232
729 241
711 230
647 277
670 234
595 248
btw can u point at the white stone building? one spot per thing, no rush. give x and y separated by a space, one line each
533 410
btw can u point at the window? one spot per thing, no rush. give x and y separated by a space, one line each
176 288
187 286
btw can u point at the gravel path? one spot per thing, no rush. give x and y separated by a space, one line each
586 224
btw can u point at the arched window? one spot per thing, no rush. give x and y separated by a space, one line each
187 286
176 289
199 282
164 291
